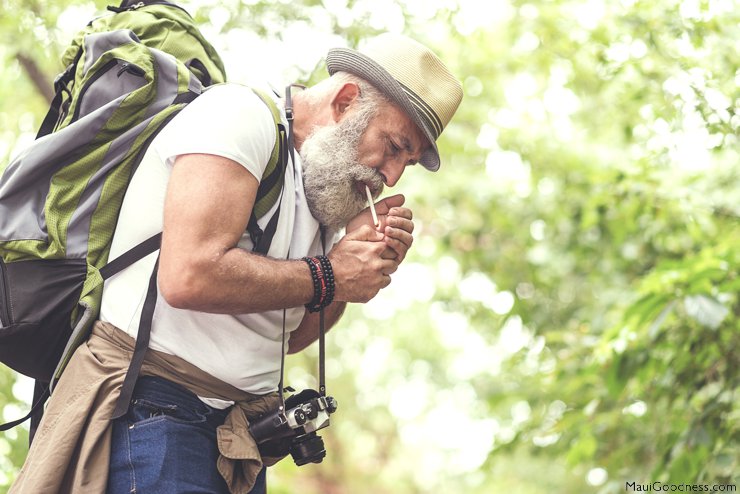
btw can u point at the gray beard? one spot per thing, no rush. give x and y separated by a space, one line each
331 171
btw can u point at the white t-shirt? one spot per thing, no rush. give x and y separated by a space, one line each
243 350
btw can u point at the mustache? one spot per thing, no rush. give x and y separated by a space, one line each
370 177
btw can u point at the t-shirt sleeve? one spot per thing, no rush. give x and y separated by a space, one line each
227 120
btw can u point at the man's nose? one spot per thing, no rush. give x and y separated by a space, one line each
391 172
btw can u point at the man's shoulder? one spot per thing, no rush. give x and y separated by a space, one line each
227 107
233 95
229 88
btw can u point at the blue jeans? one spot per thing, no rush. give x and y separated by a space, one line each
166 444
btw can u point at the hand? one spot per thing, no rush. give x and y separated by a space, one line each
395 222
398 229
360 269
381 208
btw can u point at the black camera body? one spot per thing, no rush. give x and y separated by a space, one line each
292 428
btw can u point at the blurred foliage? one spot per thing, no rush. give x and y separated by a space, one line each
568 319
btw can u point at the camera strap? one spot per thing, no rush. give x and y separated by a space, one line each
322 232
322 330
322 348
282 369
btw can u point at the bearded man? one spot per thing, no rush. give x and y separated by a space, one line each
222 309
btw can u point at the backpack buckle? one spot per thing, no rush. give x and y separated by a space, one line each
62 79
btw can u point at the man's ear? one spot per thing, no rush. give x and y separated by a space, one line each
343 98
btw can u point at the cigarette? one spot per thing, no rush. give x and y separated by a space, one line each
372 206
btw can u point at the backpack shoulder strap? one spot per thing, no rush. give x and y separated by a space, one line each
271 185
273 177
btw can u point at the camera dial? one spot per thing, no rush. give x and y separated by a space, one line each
299 416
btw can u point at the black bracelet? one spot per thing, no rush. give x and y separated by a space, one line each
316 282
323 282
329 277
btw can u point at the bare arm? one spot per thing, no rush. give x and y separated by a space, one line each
209 200
308 330
207 208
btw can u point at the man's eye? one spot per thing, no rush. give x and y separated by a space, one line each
395 148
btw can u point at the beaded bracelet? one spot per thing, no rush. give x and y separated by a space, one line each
323 282
316 282
329 275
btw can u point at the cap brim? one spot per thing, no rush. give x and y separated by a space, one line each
354 62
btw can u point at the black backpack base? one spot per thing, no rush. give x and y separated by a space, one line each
28 310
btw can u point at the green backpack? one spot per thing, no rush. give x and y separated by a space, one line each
127 75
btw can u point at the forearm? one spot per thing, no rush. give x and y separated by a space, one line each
212 278
308 330
201 268
234 282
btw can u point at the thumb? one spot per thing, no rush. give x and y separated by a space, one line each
365 233
382 207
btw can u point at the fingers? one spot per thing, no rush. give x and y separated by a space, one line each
364 260
385 207
398 231
400 219
360 268
386 281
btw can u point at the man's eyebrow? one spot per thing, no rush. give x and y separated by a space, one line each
406 144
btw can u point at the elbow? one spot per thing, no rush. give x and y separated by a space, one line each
179 288
295 346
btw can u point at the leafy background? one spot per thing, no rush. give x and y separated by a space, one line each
568 318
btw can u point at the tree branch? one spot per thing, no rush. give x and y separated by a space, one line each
40 80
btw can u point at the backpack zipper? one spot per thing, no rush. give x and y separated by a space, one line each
125 67
149 3
5 320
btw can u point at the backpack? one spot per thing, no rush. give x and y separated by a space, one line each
128 73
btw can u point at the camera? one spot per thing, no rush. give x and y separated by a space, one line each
292 427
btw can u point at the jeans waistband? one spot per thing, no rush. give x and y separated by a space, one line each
158 389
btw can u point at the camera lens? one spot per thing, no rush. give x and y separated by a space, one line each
308 448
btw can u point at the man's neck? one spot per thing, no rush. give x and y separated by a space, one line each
301 117
307 115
